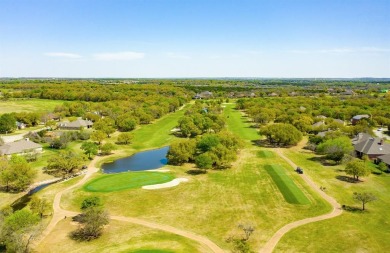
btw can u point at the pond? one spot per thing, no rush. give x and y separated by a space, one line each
146 160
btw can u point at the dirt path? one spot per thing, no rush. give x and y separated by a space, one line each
271 244
59 214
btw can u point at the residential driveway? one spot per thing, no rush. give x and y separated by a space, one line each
16 137
381 133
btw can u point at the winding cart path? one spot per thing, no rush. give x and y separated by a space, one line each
336 211
59 214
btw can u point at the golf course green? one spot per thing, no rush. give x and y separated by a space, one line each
127 180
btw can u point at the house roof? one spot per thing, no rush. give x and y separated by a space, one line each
373 146
339 121
78 123
318 124
385 158
363 116
18 147
360 137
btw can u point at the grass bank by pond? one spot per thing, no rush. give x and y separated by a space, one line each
127 180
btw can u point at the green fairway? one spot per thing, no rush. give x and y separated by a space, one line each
128 180
239 124
29 105
287 187
157 134
151 251
265 154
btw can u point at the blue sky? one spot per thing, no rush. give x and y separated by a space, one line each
195 38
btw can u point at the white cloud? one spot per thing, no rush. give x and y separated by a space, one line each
120 56
63 55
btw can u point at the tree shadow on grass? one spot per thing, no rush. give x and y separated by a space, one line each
347 179
352 209
196 172
323 161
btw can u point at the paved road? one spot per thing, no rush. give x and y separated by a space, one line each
271 244
59 214
16 137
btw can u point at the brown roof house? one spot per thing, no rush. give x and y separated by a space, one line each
357 118
76 125
372 147
20 147
385 159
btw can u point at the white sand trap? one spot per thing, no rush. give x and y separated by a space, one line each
172 183
162 170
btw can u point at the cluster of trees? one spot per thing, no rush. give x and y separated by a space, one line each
202 118
208 151
335 148
16 174
303 112
91 148
92 220
281 134
7 123
64 164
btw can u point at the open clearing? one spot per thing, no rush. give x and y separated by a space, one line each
286 185
29 105
127 180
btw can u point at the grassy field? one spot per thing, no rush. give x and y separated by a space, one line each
286 185
127 180
213 204
29 105
353 231
265 154
118 237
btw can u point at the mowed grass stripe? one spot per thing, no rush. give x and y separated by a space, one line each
286 185
265 154
127 180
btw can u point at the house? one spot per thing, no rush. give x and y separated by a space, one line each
76 125
318 124
372 147
323 133
273 94
203 95
20 125
50 116
339 121
385 159
360 137
20 147
356 118
322 117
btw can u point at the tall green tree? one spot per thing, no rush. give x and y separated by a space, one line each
181 152
65 163
98 136
281 134
90 148
364 198
7 123
357 168
335 149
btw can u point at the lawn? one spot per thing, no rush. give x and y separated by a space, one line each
29 105
118 237
353 231
126 180
286 185
265 154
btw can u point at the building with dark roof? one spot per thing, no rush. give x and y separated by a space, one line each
357 118
372 147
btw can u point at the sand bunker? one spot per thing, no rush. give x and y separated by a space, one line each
172 183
